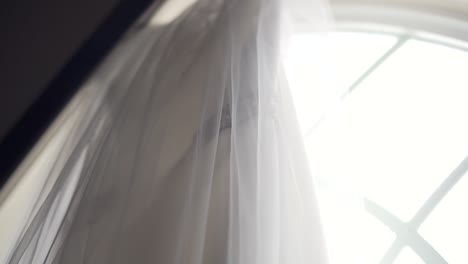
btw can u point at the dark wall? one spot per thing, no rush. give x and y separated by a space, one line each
36 40
48 48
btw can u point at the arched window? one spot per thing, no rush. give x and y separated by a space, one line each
386 133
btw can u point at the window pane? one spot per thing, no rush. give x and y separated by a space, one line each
320 68
353 236
393 141
402 131
446 229
408 123
408 256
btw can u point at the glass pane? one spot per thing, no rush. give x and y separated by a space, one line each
402 131
408 123
408 256
446 229
393 141
353 236
320 68
356 52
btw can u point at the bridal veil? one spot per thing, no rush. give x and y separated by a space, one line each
182 148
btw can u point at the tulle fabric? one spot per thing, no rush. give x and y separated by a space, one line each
182 148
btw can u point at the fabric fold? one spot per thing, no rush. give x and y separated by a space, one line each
186 150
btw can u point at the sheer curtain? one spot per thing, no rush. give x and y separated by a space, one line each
182 148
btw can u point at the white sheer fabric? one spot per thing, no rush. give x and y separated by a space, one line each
184 148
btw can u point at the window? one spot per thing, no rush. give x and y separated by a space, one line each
387 141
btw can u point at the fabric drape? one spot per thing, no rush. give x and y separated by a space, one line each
182 148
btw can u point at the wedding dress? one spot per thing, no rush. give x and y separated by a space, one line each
183 147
